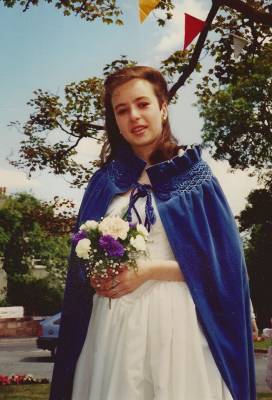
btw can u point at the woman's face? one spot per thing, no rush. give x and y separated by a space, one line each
138 115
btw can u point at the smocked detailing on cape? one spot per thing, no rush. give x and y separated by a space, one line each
167 175
119 174
194 177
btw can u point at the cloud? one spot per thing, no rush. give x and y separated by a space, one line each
88 150
12 179
173 33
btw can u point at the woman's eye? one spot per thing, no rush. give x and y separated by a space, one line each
122 111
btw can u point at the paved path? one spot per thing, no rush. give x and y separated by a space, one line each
21 356
260 364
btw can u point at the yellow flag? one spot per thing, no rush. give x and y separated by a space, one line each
146 6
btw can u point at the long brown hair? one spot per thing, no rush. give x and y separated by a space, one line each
167 146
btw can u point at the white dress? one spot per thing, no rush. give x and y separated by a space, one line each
149 346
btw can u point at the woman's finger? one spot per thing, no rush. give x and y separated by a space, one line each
110 284
93 282
118 291
98 282
106 284
119 294
111 291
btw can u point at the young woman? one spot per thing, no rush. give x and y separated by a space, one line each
180 328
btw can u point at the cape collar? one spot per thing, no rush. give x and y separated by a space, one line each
129 166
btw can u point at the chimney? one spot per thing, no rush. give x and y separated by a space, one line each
3 191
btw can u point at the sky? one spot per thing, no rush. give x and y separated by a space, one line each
43 49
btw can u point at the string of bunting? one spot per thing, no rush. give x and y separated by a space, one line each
192 27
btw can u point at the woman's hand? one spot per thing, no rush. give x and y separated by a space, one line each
255 330
125 282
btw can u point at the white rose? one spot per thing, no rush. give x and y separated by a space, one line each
83 248
114 226
142 229
88 226
138 243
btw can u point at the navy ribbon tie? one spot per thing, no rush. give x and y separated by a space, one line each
141 190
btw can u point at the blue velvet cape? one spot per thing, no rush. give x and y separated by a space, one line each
206 243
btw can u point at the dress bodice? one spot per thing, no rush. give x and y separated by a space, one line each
158 245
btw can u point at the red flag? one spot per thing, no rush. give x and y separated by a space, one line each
192 28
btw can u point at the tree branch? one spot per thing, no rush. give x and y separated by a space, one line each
27 5
189 68
81 8
238 5
64 152
90 126
97 127
249 12
65 130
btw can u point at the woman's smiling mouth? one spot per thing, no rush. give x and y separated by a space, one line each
138 130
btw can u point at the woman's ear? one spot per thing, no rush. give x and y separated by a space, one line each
164 112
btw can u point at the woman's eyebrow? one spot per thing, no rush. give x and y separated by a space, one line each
137 99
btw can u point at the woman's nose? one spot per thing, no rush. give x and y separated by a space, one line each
134 113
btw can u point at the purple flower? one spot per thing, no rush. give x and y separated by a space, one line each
132 225
111 246
78 236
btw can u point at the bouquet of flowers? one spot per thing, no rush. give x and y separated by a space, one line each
108 245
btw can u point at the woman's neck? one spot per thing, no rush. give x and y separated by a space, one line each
143 154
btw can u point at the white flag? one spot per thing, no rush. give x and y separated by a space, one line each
238 44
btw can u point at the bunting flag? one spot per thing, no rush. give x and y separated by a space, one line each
238 44
193 26
145 7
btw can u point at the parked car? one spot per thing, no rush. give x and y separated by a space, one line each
48 333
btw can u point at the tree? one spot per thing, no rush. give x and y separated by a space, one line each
31 229
235 98
256 221
80 115
109 12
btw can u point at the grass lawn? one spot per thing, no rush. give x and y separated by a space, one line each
25 392
263 345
